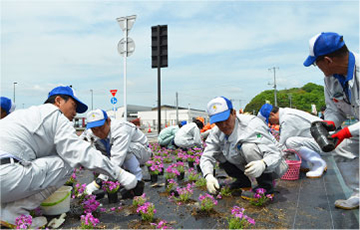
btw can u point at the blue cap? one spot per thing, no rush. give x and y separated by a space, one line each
7 105
183 123
66 90
322 44
219 109
265 111
96 118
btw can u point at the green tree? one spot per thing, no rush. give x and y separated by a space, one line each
301 98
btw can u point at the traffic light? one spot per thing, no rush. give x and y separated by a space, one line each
159 46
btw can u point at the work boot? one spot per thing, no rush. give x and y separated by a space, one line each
10 211
266 182
318 164
137 191
351 203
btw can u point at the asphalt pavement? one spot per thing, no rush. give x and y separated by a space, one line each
301 204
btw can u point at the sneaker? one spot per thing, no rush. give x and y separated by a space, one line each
250 194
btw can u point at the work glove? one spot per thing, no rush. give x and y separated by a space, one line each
341 135
90 188
255 168
329 125
212 184
127 179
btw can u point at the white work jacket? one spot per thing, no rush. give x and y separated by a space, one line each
188 136
294 123
122 136
248 129
337 109
39 131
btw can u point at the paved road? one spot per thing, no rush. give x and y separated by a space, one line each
301 204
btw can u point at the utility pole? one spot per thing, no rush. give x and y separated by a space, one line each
274 69
177 108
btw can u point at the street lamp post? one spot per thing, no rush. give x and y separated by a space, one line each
126 47
275 97
14 90
92 99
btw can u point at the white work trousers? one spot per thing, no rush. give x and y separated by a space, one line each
20 181
347 160
297 142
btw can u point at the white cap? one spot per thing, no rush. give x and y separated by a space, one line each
96 118
219 109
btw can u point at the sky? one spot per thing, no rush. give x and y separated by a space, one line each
216 48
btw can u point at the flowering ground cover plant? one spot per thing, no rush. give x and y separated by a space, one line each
72 179
171 171
200 182
79 191
193 175
180 166
89 203
23 221
156 168
139 200
88 221
207 202
161 225
239 220
260 198
171 185
147 211
111 186
184 193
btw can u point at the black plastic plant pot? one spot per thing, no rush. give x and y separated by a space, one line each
99 194
198 168
191 164
154 178
113 197
181 176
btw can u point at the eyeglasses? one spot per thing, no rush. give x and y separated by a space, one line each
317 60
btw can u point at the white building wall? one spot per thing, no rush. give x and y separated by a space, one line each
168 117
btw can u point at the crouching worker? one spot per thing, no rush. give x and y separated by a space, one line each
167 135
123 143
39 151
243 147
295 134
189 135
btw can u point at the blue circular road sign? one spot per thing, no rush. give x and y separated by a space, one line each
113 100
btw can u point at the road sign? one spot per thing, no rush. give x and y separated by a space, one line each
113 100
130 47
113 92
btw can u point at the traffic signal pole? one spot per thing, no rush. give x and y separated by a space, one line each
159 80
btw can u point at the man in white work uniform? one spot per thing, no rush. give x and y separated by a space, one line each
123 142
189 136
295 134
6 106
244 148
341 69
38 152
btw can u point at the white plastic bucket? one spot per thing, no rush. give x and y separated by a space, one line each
58 202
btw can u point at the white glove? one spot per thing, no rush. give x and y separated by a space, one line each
255 168
212 184
127 179
103 177
90 188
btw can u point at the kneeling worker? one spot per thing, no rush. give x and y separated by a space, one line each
39 151
123 143
244 148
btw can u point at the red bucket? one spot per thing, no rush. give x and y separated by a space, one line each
294 167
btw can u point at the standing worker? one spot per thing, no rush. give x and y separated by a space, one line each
341 69
295 134
39 151
244 148
7 106
123 143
